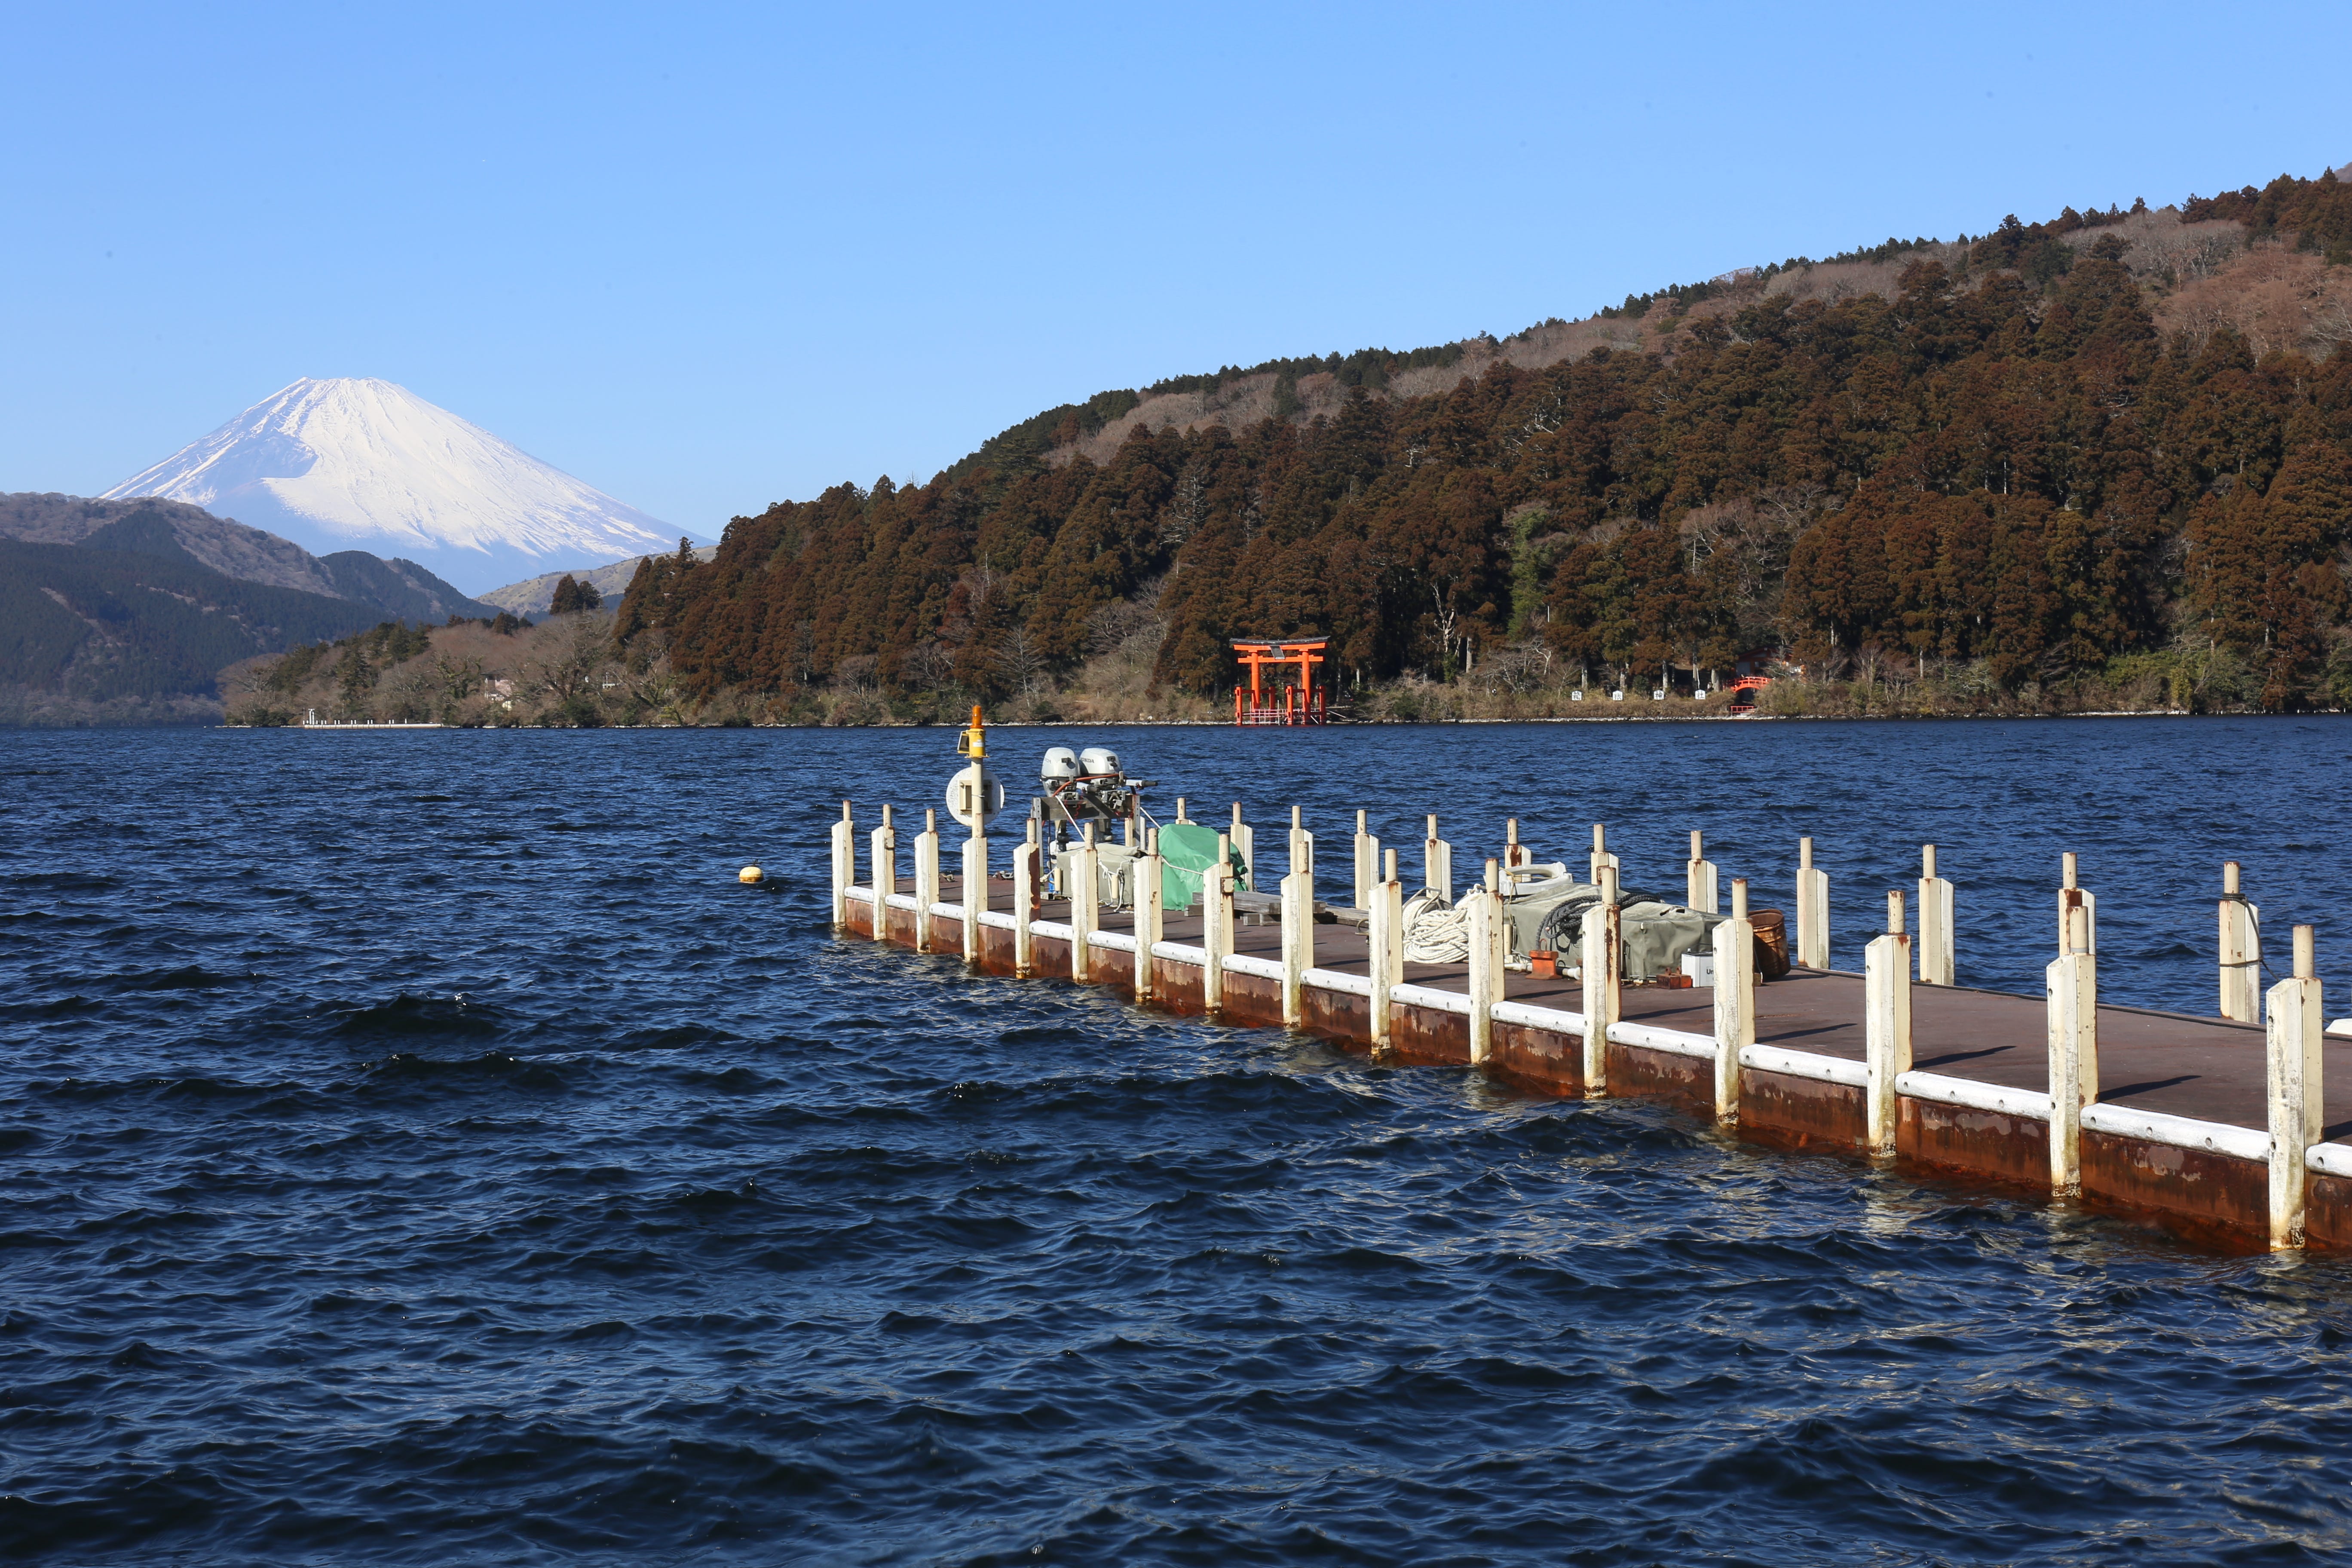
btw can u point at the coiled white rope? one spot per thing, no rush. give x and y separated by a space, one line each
1434 931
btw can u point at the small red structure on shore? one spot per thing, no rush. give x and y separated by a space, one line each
1302 702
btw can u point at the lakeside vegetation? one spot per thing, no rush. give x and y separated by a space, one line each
2040 470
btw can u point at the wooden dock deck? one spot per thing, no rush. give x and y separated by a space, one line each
2179 1130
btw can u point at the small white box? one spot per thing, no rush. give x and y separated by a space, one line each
1700 967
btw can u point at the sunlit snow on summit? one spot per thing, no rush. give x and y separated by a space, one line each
359 464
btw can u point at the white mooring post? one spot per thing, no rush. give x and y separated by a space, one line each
1085 893
1437 861
1216 925
1886 1027
1734 1000
1699 883
1298 944
1601 859
1179 810
1302 843
1604 973
2242 949
845 864
1936 965
1146 913
1245 841
975 894
1368 863
1514 854
1028 873
1812 909
2074 1054
882 865
927 880
1387 954
2295 1026
1483 922
2071 893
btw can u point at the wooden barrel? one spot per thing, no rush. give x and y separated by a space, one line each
1771 942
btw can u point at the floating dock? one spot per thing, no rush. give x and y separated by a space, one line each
2223 1130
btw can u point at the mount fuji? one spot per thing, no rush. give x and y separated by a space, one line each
352 464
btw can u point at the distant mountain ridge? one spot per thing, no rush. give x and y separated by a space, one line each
401 590
535 595
357 463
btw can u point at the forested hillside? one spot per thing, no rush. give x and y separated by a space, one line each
2106 448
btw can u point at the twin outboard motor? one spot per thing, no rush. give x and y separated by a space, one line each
1086 786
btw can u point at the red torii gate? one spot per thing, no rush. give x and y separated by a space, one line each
1302 701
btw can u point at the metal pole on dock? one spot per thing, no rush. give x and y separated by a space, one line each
2071 894
1028 867
1734 1000
1387 955
1514 854
1437 862
2242 949
882 862
1936 965
1887 1023
1216 926
1245 841
1699 882
1302 843
975 893
1602 970
1085 890
2295 1026
1147 898
1483 924
845 864
1601 859
1812 909
926 878
2074 1054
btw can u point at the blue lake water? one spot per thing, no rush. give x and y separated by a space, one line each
417 1148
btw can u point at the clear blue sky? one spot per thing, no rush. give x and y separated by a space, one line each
708 258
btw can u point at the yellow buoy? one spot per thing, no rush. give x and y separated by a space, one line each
750 874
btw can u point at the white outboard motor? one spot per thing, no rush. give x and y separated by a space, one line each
1060 763
1096 761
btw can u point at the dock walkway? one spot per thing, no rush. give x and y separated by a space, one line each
2178 1129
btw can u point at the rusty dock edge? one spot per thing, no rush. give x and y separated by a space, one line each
2209 1183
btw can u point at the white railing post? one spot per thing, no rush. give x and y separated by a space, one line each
882 863
1387 949
1245 842
975 894
2241 949
1086 891
1298 944
1437 861
1483 923
1216 925
1734 1000
926 878
1601 859
1302 843
2073 1055
1368 863
1937 954
1886 1026
1602 970
1699 880
2294 1028
1028 871
1147 913
1812 909
1514 854
845 864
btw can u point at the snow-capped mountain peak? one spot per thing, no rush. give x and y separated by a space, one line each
360 464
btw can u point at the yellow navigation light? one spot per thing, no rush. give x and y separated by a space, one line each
970 743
